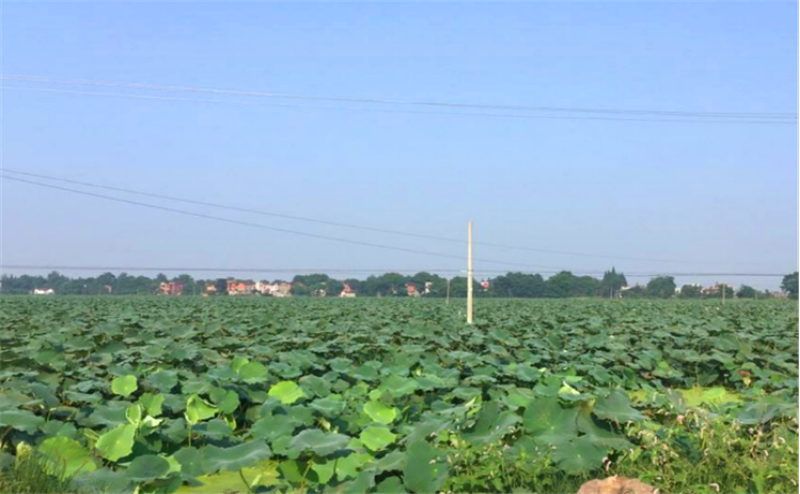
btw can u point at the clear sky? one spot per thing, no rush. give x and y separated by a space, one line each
725 193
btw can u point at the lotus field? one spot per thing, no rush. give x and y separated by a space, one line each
145 394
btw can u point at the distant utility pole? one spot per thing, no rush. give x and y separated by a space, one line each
448 292
724 289
469 273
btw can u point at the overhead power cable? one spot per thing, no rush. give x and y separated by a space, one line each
346 225
261 226
731 120
353 270
383 101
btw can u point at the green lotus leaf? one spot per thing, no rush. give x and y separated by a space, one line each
124 386
324 470
349 466
65 456
362 483
378 412
341 365
578 456
152 403
147 467
236 457
133 414
116 443
390 485
163 380
272 427
377 438
330 406
395 460
365 373
191 461
319 442
548 422
214 429
22 420
317 385
491 425
600 436
253 372
616 407
287 392
197 410
423 474
229 403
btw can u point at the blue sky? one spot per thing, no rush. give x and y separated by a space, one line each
725 193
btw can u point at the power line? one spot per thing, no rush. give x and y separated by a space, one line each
347 225
260 226
731 120
358 270
162 87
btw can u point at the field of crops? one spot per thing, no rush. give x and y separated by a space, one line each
388 395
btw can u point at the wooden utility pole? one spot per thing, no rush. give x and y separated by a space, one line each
723 292
448 292
469 273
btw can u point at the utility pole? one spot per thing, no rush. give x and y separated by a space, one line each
469 273
723 292
448 292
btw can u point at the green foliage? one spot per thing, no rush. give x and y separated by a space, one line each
399 394
661 287
789 285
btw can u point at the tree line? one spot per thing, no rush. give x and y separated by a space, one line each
514 284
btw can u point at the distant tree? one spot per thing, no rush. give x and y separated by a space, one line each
789 285
661 287
561 285
519 285
746 291
612 282
188 284
691 291
222 286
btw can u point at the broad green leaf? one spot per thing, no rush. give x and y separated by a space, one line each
152 403
423 474
134 414
21 420
253 372
330 406
264 473
390 485
197 410
350 465
116 443
163 380
230 403
549 423
616 407
236 457
147 467
124 386
377 438
578 456
379 412
324 470
65 456
191 461
287 392
273 427
319 442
